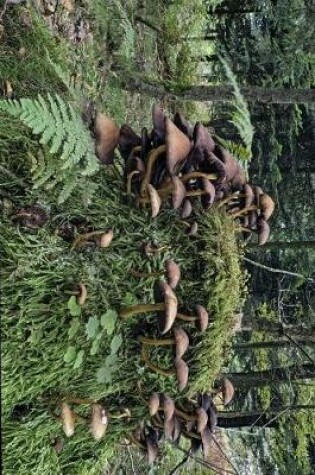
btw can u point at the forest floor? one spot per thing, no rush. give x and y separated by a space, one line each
83 48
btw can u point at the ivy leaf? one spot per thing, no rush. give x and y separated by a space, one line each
111 359
95 346
79 359
91 327
115 344
105 374
74 328
108 321
74 307
70 354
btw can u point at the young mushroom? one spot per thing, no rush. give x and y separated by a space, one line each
172 272
107 138
180 340
180 369
201 320
166 301
99 421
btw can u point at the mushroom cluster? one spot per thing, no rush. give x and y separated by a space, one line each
195 420
185 166
166 308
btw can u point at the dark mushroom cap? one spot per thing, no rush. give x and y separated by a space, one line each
249 195
152 449
183 125
263 230
231 164
228 391
204 400
212 417
203 143
128 140
169 427
212 164
178 192
164 293
158 132
177 146
192 231
182 341
173 273
203 318
107 135
154 403
145 143
206 438
177 429
239 180
182 372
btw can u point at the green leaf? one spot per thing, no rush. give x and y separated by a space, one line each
95 346
74 328
104 374
116 343
108 321
70 354
79 359
129 299
74 307
92 327
111 359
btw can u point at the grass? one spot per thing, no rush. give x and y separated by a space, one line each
39 268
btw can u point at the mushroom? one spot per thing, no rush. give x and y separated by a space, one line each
105 239
155 200
154 155
227 390
152 446
32 217
203 145
83 239
183 125
202 419
180 369
180 340
128 140
158 132
168 407
186 209
169 304
263 230
154 403
201 319
266 205
177 146
193 229
172 271
68 418
99 421
107 138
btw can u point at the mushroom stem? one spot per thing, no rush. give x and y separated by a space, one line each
164 194
156 369
244 211
152 157
188 176
186 318
156 342
232 197
85 237
129 179
142 308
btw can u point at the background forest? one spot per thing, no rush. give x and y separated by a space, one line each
219 62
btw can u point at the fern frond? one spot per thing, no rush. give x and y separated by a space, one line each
61 129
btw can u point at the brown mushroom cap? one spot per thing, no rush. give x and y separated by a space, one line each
158 132
68 419
203 318
155 200
203 144
169 427
99 421
263 230
212 417
267 206
249 195
168 407
192 231
107 138
173 273
228 391
182 372
178 192
202 419
154 403
128 140
177 146
186 209
212 164
208 197
177 429
181 340
163 292
183 125
106 238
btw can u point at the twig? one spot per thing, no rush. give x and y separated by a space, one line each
299 347
210 465
278 271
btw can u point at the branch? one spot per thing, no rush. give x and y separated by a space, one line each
299 347
277 271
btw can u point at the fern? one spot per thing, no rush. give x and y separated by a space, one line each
61 129
240 117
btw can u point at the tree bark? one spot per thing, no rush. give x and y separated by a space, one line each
284 245
223 93
273 375
270 418
258 345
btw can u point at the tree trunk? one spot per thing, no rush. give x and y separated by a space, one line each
271 376
295 331
282 245
270 418
258 345
223 93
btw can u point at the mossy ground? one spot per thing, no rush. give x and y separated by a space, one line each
39 267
